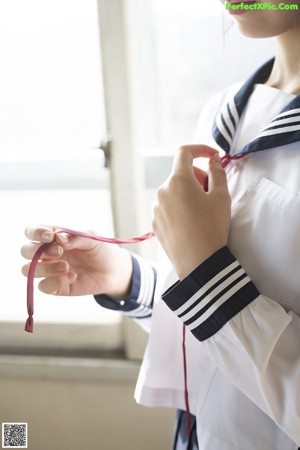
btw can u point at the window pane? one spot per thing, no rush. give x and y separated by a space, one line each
194 52
52 116
51 98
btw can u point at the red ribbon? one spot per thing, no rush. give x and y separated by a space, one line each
186 392
227 158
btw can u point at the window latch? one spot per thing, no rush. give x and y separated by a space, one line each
105 146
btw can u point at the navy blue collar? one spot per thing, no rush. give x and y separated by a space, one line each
283 129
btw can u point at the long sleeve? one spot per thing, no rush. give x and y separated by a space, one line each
249 337
139 302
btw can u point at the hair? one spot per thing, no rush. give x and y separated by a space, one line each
227 24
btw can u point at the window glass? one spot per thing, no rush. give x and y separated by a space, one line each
190 51
52 121
51 98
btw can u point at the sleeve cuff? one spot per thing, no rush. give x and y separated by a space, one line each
211 295
139 302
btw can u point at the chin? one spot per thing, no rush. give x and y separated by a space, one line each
260 29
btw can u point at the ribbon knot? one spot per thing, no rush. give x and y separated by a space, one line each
227 158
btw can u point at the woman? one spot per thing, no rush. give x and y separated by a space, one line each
233 242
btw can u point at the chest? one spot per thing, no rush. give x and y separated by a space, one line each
265 227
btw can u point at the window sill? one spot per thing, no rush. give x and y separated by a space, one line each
63 339
69 369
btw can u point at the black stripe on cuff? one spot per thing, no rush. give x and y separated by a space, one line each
212 294
226 312
199 277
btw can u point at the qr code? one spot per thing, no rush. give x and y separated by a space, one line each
14 435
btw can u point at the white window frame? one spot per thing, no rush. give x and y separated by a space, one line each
126 181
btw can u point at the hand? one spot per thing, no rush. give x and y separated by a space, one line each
78 266
190 223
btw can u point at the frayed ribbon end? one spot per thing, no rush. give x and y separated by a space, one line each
29 325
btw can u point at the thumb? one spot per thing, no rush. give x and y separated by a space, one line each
217 179
75 240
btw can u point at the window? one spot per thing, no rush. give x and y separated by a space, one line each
51 168
185 52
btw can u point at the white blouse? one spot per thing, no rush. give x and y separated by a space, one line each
244 380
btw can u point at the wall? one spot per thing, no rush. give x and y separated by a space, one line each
87 408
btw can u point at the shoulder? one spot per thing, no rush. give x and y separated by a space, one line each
212 107
209 112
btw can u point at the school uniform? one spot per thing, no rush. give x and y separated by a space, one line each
241 306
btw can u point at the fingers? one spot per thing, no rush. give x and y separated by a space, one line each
61 242
60 285
201 177
53 251
40 234
217 180
72 242
184 157
48 269
57 278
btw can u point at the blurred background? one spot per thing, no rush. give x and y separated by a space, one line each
96 95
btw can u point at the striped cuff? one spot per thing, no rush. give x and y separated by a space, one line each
138 304
211 295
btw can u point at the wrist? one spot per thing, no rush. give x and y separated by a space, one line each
122 276
189 261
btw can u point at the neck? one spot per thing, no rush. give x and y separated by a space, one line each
285 74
